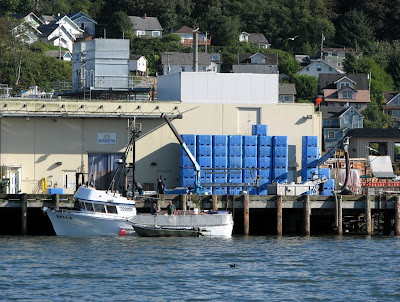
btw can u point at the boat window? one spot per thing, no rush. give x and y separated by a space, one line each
82 204
89 207
99 208
112 209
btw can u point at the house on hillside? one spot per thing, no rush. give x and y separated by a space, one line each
392 106
138 64
256 63
381 142
339 90
63 32
255 38
174 62
337 121
146 26
186 34
317 67
87 24
287 92
336 56
65 54
27 30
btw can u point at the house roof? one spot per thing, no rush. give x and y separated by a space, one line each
145 23
257 38
331 95
56 53
270 58
48 18
327 80
76 15
336 112
388 95
135 57
336 50
287 88
183 58
185 30
374 133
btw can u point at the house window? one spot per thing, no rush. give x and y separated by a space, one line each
339 64
331 134
347 94
156 33
308 68
358 106
319 67
183 68
329 54
396 113
396 151
140 32
331 104
325 122
379 148
344 84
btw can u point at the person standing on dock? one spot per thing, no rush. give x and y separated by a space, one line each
171 208
160 186
155 209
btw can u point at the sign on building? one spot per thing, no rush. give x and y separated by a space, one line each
106 138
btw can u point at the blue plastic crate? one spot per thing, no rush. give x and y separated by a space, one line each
185 162
249 162
187 173
308 162
204 151
249 140
264 152
192 149
280 152
264 162
262 187
235 178
249 174
207 190
329 184
55 191
220 162
187 182
259 130
312 152
219 140
219 178
279 141
249 151
280 162
279 175
265 174
308 174
220 151
264 141
235 162
189 139
235 140
220 190
235 151
324 172
205 162
234 190
309 141
204 140
253 191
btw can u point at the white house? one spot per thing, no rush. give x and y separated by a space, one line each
315 68
186 34
84 22
138 64
255 38
146 26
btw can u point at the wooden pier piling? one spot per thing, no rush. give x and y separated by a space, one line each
307 216
246 215
368 220
397 216
56 200
24 213
183 202
279 216
215 202
339 215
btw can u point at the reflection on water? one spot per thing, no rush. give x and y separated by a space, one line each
158 269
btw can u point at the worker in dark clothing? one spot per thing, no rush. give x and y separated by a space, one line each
160 186
139 188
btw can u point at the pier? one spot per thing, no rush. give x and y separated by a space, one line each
253 215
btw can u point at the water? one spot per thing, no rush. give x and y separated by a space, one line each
198 269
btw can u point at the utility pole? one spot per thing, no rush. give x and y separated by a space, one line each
59 40
322 44
195 51
206 40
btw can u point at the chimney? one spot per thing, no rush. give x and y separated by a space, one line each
145 15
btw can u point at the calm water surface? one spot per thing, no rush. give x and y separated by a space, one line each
198 269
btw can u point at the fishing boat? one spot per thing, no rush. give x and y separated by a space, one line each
210 223
165 231
99 213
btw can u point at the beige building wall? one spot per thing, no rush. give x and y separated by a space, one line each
54 147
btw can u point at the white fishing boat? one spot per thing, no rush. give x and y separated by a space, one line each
210 223
100 213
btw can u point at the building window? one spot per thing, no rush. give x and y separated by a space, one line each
347 94
331 134
396 113
140 32
319 67
156 33
378 148
344 84
396 151
183 68
339 64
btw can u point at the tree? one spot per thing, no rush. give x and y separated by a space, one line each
375 118
306 86
356 31
288 65
121 24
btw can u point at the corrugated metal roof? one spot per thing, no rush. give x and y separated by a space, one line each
375 133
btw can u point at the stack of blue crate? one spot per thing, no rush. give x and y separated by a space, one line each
280 154
309 157
249 174
264 157
204 159
186 166
220 160
234 161
329 185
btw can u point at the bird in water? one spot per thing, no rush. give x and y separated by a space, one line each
233 265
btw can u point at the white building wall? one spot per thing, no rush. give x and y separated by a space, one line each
207 87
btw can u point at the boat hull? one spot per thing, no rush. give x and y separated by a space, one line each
152 231
212 224
75 223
